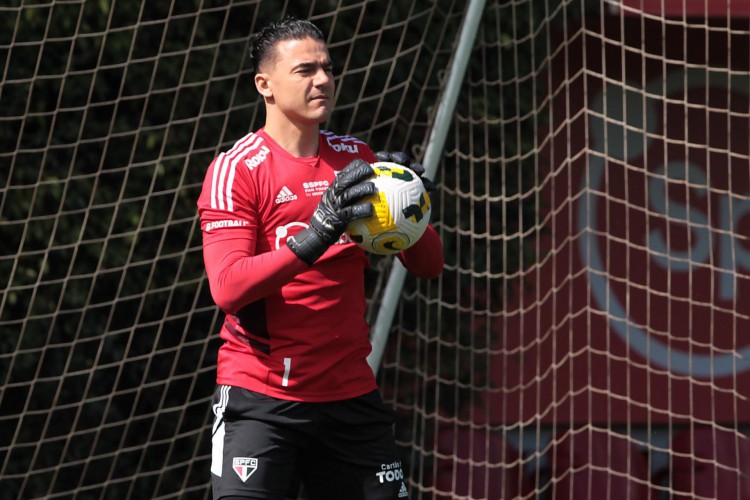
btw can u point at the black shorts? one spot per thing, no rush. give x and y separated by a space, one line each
263 447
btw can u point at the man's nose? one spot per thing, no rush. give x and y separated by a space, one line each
322 78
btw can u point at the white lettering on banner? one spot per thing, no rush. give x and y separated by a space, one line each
639 126
732 209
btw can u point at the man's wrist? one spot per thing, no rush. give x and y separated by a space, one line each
307 245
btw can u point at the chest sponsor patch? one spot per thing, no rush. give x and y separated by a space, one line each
315 188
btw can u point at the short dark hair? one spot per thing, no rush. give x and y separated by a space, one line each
263 43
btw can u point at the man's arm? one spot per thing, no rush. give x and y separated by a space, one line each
237 277
425 258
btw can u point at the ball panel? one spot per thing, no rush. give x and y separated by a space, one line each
383 219
390 242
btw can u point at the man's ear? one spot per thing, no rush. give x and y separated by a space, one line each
262 85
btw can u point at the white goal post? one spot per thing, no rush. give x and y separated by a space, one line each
432 155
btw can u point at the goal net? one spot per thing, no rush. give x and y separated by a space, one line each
589 337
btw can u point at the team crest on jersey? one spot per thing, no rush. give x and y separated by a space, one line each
244 467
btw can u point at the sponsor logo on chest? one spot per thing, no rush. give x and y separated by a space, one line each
257 158
285 195
315 188
339 146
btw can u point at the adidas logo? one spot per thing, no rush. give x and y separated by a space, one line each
285 195
403 492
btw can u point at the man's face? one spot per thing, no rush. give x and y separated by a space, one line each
300 80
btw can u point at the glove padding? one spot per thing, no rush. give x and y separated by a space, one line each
339 205
403 159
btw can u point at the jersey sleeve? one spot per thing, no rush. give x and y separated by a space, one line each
425 258
228 218
237 277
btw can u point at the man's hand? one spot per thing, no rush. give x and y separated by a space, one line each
340 204
404 160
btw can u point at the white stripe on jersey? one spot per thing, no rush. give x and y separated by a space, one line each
224 170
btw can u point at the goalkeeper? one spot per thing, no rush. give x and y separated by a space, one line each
295 397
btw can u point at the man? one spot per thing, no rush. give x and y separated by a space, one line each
295 396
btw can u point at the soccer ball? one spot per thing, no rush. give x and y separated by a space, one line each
402 211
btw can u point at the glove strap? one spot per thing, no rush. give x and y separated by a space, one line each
307 245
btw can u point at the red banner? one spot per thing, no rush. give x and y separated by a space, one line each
639 310
688 8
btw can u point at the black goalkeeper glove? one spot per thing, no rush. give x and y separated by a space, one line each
404 160
340 204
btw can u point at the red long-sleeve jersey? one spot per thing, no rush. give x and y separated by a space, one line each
291 331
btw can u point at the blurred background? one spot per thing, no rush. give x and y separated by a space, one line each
589 337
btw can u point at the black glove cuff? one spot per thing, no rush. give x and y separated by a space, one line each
307 245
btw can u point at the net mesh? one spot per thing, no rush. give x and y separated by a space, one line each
587 339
